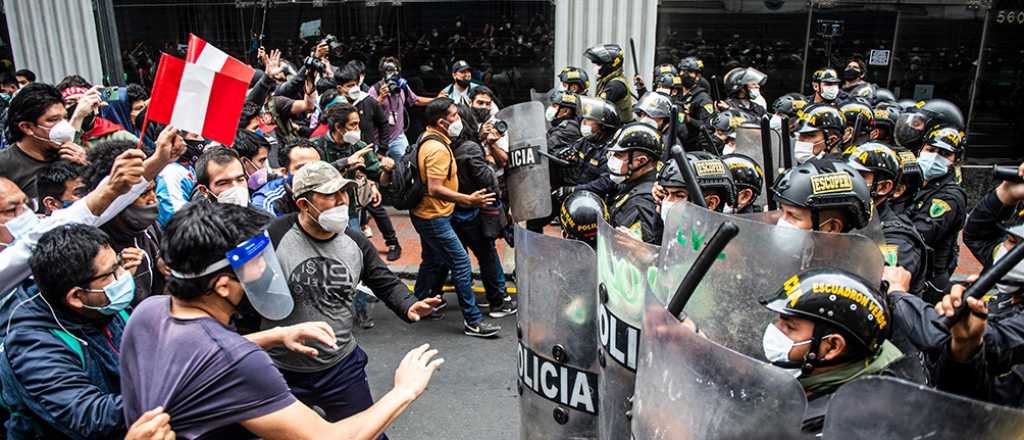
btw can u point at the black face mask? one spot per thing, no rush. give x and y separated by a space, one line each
851 74
482 114
462 82
193 149
138 218
689 81
139 119
88 123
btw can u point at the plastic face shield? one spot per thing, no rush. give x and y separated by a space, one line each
255 264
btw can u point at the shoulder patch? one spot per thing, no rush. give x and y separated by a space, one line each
637 230
938 208
890 253
709 108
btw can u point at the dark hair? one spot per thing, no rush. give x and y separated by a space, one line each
346 74
64 258
338 114
326 98
28 74
436 110
6 79
51 179
219 155
248 144
470 126
392 60
250 110
199 235
28 105
284 153
101 160
325 84
482 90
73 81
358 65
136 93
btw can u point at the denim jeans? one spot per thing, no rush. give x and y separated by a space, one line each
397 147
491 273
443 250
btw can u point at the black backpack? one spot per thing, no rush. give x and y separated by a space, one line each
406 188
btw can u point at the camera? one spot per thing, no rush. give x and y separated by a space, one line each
314 65
500 126
394 82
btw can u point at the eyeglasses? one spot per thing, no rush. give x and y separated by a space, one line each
118 267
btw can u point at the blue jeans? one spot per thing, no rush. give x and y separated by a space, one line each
397 147
443 250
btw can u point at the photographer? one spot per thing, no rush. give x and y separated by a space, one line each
394 95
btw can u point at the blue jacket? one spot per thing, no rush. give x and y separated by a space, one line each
54 386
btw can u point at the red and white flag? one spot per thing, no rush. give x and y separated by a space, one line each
197 99
204 54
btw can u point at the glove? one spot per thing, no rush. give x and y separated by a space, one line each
562 192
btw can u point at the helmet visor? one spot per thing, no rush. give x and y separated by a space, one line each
910 129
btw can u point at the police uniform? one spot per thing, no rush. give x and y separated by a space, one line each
747 106
939 212
905 247
563 132
984 235
613 88
591 168
633 207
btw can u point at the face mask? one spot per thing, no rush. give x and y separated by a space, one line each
729 148
777 346
932 165
851 74
20 226
649 121
463 83
785 224
829 92
334 219
257 179
236 195
586 131
353 93
615 166
138 218
550 113
483 114
689 81
61 133
120 294
754 93
803 151
351 137
666 206
455 129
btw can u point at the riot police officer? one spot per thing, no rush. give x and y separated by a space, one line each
697 106
920 120
574 80
826 87
860 117
713 178
987 235
655 109
743 85
579 216
880 167
788 106
561 114
821 132
910 182
694 68
823 195
832 327
748 177
611 82
940 208
715 135
885 116
659 71
632 164
884 95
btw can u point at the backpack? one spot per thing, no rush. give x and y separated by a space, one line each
406 188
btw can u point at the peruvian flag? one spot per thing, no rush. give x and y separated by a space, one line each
197 99
204 54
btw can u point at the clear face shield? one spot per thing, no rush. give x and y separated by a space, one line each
255 264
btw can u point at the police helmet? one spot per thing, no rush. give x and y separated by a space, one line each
691 64
575 75
668 81
876 158
886 114
637 136
655 105
923 118
579 216
597 109
947 138
910 173
713 176
737 79
827 76
858 114
790 104
884 95
664 68
566 99
746 173
608 56
730 120
822 184
819 117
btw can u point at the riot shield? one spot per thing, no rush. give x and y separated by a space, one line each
689 387
748 143
754 265
884 407
529 185
872 231
557 337
625 271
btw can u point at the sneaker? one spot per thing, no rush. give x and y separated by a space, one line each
443 305
481 330
367 232
364 320
394 252
506 308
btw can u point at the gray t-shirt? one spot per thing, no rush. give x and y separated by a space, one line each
322 276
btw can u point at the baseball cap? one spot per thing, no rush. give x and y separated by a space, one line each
318 176
460 65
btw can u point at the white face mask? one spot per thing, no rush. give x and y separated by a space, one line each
829 92
754 94
550 113
334 219
586 131
62 133
649 121
615 166
455 129
777 346
666 206
803 151
728 148
236 195
351 137
354 93
783 223
20 226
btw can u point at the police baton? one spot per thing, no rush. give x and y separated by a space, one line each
715 95
693 193
768 165
636 68
787 147
1006 173
723 235
988 279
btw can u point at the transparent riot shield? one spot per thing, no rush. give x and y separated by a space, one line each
625 271
748 143
557 337
884 407
754 265
873 230
689 387
529 185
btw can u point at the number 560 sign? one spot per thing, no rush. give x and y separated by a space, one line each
1010 17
